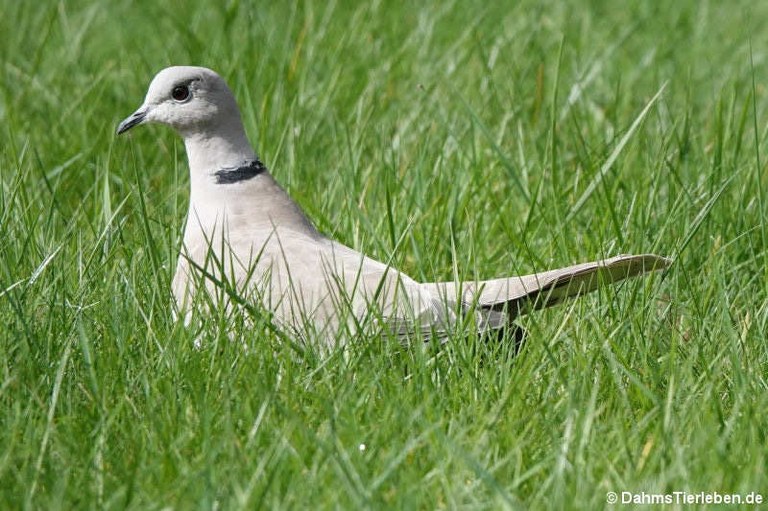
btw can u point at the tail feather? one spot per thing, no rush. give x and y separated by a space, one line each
520 294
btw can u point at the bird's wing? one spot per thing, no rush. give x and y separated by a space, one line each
522 293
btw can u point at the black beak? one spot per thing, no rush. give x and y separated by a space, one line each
135 118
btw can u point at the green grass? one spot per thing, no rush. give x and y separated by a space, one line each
458 138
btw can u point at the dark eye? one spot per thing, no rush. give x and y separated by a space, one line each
180 93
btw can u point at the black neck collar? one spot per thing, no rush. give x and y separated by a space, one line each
244 172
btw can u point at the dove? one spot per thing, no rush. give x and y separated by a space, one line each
247 242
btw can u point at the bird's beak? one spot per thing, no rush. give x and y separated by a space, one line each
137 117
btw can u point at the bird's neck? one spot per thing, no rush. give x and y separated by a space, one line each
228 181
209 153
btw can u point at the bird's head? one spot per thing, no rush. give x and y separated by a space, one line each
190 99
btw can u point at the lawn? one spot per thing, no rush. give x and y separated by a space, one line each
457 139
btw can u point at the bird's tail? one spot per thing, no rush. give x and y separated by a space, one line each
518 295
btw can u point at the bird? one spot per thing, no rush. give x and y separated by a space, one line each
247 243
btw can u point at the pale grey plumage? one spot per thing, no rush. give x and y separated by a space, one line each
244 229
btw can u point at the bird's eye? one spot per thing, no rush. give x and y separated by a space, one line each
180 93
